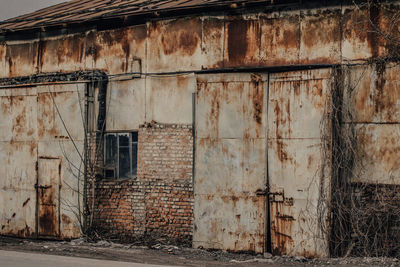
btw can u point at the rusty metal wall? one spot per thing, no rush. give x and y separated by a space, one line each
297 162
31 129
372 96
338 34
169 98
230 162
126 104
231 115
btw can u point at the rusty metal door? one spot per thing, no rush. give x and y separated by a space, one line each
230 162
298 161
48 192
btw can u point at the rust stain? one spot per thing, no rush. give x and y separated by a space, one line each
182 37
322 28
383 150
63 53
47 220
215 109
258 98
116 40
355 26
243 41
282 225
41 54
46 120
182 81
282 110
280 40
92 49
282 152
212 42
21 58
309 162
65 219
374 21
381 102
363 99
19 124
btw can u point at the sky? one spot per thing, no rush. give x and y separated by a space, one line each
14 8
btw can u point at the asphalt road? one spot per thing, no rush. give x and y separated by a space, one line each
22 259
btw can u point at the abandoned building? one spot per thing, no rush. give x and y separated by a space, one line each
236 125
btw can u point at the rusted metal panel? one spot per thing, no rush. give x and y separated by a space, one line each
126 103
64 54
30 128
48 186
61 112
242 42
24 124
389 29
296 104
371 96
117 51
297 174
378 158
280 38
174 45
21 59
320 36
232 107
169 98
17 194
361 40
295 167
373 93
230 163
212 43
355 44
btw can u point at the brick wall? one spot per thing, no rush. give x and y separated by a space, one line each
159 202
165 152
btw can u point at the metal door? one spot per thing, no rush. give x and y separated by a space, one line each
48 192
230 162
298 161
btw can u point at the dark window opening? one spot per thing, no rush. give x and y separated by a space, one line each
120 155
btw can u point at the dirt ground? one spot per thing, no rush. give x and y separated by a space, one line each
172 255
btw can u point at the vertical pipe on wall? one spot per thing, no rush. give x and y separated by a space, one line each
267 185
193 136
85 165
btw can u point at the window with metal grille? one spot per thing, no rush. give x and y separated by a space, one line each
120 155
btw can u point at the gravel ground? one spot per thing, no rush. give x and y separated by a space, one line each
173 255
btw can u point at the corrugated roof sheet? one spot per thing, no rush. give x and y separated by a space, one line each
76 11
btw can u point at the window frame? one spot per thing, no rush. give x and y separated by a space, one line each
116 164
